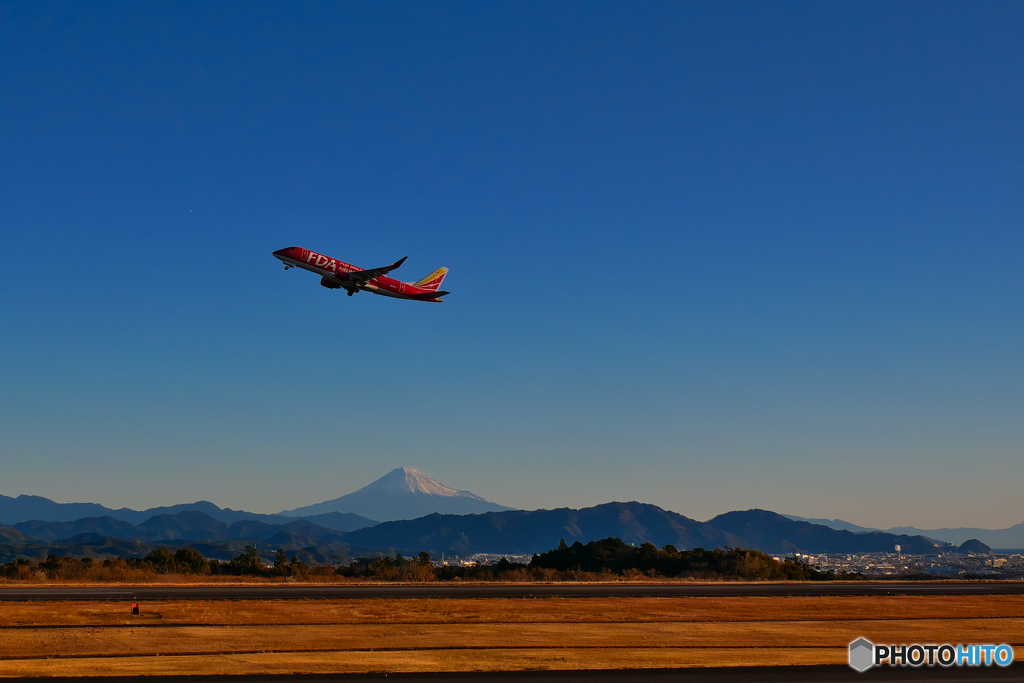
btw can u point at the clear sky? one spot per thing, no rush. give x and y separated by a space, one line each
710 256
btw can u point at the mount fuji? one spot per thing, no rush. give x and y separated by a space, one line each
402 493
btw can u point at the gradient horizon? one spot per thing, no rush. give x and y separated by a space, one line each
710 256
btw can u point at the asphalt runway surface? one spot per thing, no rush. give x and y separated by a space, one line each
597 590
766 674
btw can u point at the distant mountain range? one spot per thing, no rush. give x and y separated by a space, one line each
108 537
511 531
187 525
24 508
27 508
527 532
1011 537
840 524
402 493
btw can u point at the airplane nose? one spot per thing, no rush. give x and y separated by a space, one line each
287 252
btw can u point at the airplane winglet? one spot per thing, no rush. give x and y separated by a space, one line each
370 273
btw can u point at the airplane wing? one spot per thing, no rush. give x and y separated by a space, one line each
363 276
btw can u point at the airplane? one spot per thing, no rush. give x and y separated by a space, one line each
335 274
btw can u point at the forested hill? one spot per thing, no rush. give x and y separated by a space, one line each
527 532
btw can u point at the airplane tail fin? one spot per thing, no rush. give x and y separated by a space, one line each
433 281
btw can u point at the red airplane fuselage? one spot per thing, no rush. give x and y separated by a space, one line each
336 274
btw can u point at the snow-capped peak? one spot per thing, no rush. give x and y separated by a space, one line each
407 480
402 493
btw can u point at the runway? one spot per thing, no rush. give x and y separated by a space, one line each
745 674
576 590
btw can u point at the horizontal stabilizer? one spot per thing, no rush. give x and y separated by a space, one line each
428 296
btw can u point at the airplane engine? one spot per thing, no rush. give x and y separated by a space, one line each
329 284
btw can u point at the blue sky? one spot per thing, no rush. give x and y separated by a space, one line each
711 256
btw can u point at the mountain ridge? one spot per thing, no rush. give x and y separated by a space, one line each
776 533
189 525
27 508
839 524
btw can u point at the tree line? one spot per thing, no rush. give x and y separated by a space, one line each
159 562
613 556
609 558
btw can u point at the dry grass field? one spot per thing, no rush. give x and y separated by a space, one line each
308 636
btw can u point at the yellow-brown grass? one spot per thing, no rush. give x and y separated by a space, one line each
479 634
